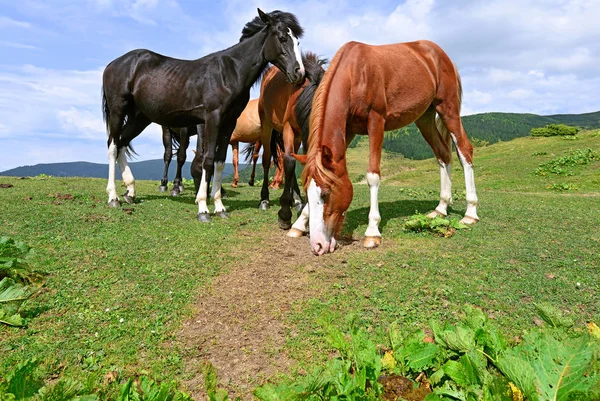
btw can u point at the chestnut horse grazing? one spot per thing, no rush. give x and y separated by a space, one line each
142 87
285 108
369 90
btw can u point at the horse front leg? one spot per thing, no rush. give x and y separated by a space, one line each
168 155
235 147
255 155
289 167
375 128
217 192
184 142
266 163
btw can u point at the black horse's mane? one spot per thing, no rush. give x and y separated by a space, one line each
313 65
257 24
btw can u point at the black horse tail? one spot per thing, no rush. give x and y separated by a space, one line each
248 151
112 137
277 147
313 66
175 139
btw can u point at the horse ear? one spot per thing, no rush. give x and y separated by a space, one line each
327 156
266 18
301 158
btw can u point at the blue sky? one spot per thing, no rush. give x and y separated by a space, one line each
514 55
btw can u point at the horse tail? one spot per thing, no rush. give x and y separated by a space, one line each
248 151
112 137
314 73
276 147
106 118
175 139
459 89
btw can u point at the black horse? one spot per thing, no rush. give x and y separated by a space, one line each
141 87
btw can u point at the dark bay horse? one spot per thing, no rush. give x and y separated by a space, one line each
141 87
285 108
366 91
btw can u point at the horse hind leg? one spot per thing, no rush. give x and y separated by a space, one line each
115 118
439 140
449 113
133 127
168 155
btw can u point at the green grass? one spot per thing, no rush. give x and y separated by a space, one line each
148 268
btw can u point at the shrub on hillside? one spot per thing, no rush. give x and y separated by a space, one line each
555 130
479 143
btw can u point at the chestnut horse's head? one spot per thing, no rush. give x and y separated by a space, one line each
329 192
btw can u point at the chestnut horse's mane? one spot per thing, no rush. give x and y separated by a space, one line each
314 165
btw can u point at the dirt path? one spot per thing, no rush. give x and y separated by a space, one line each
240 327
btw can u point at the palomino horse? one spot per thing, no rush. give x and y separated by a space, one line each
141 87
247 129
285 108
368 90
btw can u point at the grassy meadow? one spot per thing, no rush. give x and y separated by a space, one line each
124 287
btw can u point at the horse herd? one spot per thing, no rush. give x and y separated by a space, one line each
366 90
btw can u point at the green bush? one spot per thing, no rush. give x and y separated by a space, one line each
479 143
555 130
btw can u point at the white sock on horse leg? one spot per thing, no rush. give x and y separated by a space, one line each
111 187
202 194
374 217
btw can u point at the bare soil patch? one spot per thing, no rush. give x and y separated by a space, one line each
241 327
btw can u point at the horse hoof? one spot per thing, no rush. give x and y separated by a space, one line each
129 199
468 220
222 215
204 217
299 206
284 225
251 183
175 192
372 242
162 188
264 205
114 203
435 214
234 185
181 188
295 233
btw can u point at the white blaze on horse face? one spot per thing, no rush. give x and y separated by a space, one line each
445 189
216 192
111 187
202 194
374 217
318 237
297 50
126 174
469 183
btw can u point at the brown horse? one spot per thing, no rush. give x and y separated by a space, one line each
368 90
248 130
285 108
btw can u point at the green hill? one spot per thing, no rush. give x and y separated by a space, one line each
491 127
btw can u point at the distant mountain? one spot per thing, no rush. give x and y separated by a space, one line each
491 127
143 170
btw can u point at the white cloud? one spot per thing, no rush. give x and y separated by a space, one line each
12 23
17 45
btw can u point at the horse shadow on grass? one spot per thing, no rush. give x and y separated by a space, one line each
387 210
231 203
